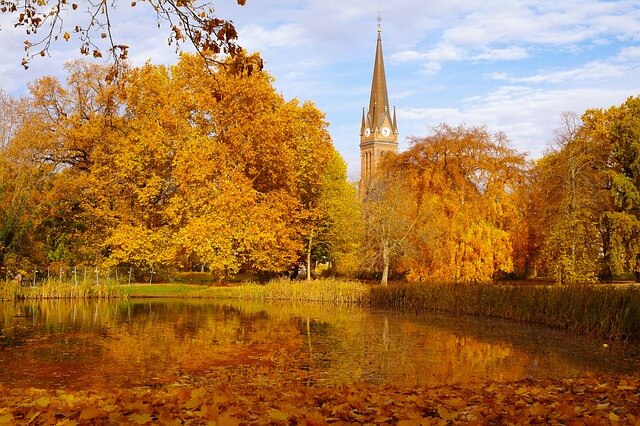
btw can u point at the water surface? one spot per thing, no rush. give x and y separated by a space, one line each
154 342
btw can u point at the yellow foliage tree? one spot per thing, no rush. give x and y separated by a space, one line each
462 181
183 166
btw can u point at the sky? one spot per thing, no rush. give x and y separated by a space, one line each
512 65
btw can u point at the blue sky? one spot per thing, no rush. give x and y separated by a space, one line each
512 65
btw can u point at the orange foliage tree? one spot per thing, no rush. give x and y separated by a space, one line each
183 166
460 206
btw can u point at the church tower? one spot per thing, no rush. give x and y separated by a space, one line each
379 130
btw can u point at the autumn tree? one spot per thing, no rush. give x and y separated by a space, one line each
457 205
262 163
590 184
45 22
529 233
391 213
65 128
572 190
184 166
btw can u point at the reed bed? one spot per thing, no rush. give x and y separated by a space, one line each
604 311
321 290
54 289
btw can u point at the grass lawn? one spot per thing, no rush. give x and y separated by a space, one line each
167 290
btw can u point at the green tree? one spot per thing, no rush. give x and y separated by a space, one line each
339 229
617 131
575 198
22 183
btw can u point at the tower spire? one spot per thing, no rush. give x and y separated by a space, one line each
378 129
378 101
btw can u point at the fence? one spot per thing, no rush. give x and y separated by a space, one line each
95 275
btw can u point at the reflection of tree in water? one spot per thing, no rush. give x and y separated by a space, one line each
320 344
152 342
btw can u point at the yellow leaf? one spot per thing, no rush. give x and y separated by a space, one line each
627 388
227 420
34 416
614 417
69 398
91 413
538 409
278 416
446 414
43 402
198 393
141 419
66 36
457 403
6 419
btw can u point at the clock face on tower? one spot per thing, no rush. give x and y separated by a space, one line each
386 131
367 132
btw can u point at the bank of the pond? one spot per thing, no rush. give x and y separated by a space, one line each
54 289
321 290
605 311
613 400
610 312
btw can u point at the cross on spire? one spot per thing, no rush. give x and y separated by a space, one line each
379 19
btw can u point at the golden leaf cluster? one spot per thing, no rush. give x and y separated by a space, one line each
176 166
570 401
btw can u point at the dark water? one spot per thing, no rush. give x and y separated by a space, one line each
131 343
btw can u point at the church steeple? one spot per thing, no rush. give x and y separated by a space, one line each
379 100
378 130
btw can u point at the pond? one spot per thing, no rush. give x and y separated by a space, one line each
152 342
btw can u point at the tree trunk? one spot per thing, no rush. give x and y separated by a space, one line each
309 256
385 264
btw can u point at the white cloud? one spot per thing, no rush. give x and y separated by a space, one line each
434 58
408 56
506 54
590 72
259 38
537 22
629 54
431 68
527 116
